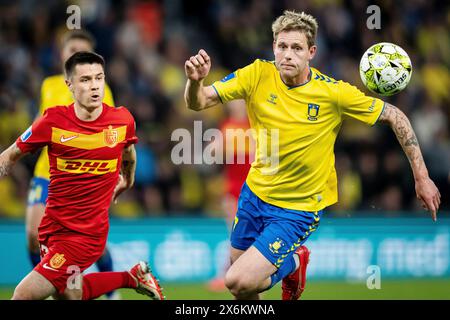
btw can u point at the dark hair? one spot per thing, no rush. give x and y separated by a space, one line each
78 34
82 57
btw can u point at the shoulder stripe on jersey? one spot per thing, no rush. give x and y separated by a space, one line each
107 138
321 77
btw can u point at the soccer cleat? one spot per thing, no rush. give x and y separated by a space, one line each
146 283
294 284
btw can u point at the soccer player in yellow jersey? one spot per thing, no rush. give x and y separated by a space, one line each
300 110
54 91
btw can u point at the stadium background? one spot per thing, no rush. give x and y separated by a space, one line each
173 215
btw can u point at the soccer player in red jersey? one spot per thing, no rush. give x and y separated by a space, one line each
54 92
92 161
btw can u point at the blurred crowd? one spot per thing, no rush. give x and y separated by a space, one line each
145 44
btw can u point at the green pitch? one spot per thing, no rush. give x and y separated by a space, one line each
319 290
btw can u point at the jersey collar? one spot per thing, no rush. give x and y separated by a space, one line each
310 76
72 110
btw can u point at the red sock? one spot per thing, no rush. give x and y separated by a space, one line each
96 284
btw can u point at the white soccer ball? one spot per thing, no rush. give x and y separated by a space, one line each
385 68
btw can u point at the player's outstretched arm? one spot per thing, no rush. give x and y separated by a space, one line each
127 172
8 159
426 190
196 96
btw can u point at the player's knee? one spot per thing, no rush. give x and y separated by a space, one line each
239 285
230 281
20 294
71 295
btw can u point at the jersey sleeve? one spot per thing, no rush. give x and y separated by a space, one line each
36 136
355 104
239 84
131 137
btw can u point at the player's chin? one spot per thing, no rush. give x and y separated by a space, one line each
94 103
289 72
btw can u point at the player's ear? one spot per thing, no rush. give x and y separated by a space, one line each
69 84
312 51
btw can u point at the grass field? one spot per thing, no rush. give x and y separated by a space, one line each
435 289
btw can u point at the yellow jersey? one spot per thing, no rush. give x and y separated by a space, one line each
296 128
54 92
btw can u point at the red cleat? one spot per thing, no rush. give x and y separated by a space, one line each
146 283
293 285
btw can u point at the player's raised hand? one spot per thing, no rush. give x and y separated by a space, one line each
198 66
429 196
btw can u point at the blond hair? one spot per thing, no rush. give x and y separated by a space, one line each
291 20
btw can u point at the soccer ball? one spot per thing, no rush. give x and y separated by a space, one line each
385 68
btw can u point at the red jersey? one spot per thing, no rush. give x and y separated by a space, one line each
85 160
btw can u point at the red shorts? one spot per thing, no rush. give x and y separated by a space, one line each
65 256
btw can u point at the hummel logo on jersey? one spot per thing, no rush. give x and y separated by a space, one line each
46 266
272 98
64 139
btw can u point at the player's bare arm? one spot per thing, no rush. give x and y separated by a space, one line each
129 165
127 172
426 190
8 158
197 96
